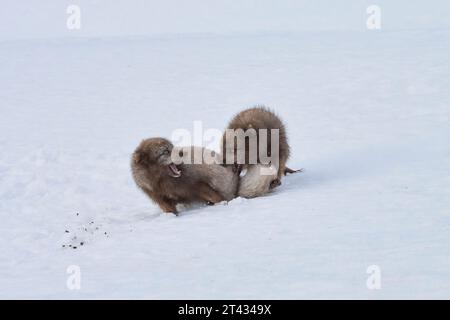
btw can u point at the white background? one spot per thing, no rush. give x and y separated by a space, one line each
47 18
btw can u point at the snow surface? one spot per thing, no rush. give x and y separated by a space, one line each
368 118
99 18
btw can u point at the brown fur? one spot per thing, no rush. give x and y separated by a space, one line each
259 118
207 183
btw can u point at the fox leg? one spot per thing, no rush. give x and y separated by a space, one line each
209 195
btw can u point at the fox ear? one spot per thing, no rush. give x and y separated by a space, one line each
139 157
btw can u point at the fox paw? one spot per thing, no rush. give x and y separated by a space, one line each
275 183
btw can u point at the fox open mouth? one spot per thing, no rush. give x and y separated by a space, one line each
173 171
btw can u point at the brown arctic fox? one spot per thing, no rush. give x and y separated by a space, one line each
169 184
260 176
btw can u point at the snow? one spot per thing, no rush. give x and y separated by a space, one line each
367 115
100 18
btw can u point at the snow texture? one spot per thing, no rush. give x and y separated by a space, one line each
368 118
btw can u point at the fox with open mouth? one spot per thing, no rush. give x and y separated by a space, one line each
169 184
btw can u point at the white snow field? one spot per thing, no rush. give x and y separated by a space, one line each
368 118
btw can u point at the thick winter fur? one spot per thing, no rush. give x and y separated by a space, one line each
168 184
254 183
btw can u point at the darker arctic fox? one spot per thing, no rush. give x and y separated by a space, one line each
169 184
257 182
